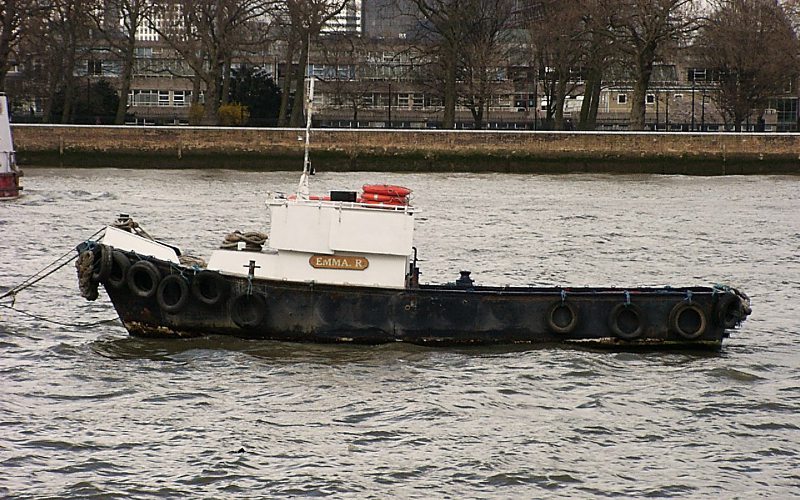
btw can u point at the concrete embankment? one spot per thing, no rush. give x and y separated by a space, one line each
408 150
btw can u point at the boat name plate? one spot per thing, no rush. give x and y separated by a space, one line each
346 262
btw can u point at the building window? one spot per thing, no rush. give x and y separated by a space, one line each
651 98
402 100
95 68
697 75
181 97
622 98
163 98
145 98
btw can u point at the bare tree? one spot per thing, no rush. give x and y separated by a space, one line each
792 9
641 29
344 60
18 18
207 33
484 51
558 32
598 58
304 20
752 48
444 30
65 37
118 21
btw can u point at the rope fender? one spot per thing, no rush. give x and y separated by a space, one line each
86 282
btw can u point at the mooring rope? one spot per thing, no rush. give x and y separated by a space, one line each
37 277
253 240
62 323
126 223
30 281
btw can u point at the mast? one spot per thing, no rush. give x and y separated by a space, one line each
302 188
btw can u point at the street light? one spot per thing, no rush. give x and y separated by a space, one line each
693 100
390 105
703 112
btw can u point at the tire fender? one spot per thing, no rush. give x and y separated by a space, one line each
678 313
173 293
102 263
119 270
248 311
555 310
629 311
143 279
210 288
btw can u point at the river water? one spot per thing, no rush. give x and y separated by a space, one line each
88 412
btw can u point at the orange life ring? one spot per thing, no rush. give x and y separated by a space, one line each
386 189
384 198
395 202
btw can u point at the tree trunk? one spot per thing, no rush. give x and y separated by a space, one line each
213 81
288 77
596 88
737 122
69 97
211 106
591 94
298 105
583 119
224 97
69 82
560 97
125 82
449 115
6 36
196 86
640 86
477 110
47 108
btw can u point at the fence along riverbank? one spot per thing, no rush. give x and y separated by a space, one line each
409 150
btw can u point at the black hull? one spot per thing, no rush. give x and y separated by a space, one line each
159 299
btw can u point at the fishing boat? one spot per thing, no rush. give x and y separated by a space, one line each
342 267
9 172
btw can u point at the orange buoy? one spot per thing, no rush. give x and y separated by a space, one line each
387 190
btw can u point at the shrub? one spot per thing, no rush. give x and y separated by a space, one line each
233 115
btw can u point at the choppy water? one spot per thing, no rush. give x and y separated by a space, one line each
88 412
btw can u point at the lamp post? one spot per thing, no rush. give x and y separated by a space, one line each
88 95
703 112
390 105
692 128
655 129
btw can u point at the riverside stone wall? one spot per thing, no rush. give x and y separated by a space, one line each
412 150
